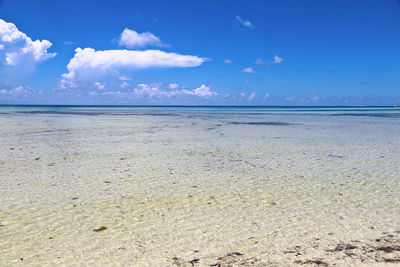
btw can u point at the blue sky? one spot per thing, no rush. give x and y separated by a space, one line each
286 52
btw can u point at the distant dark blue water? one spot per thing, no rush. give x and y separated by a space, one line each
355 111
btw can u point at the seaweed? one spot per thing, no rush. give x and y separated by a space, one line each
101 228
194 261
392 260
314 261
388 249
342 247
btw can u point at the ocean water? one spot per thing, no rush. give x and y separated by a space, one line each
197 186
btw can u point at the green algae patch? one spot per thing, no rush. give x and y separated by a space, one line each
101 228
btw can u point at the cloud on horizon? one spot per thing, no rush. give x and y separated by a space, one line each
18 91
149 91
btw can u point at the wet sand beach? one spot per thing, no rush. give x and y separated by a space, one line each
192 187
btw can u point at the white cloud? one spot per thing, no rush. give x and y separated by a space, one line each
159 90
65 84
277 60
88 63
132 39
259 61
228 61
248 70
124 85
267 96
242 95
17 47
204 91
252 96
20 91
18 53
100 86
173 85
154 91
124 78
245 23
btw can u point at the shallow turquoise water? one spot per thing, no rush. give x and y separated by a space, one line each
168 181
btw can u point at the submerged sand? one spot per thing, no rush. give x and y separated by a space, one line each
199 188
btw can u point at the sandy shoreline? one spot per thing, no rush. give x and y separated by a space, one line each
199 190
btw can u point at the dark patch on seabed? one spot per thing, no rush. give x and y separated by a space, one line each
267 123
385 249
47 131
379 115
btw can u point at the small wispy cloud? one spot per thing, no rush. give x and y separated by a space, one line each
245 23
249 70
124 78
68 43
173 85
277 60
259 61
124 85
100 86
375 74
20 91
228 61
252 96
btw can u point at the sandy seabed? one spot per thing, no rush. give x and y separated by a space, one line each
199 188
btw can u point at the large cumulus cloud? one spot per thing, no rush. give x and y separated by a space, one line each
88 64
19 54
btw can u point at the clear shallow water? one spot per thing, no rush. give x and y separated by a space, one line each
176 184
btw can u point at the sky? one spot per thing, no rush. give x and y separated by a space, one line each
187 52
